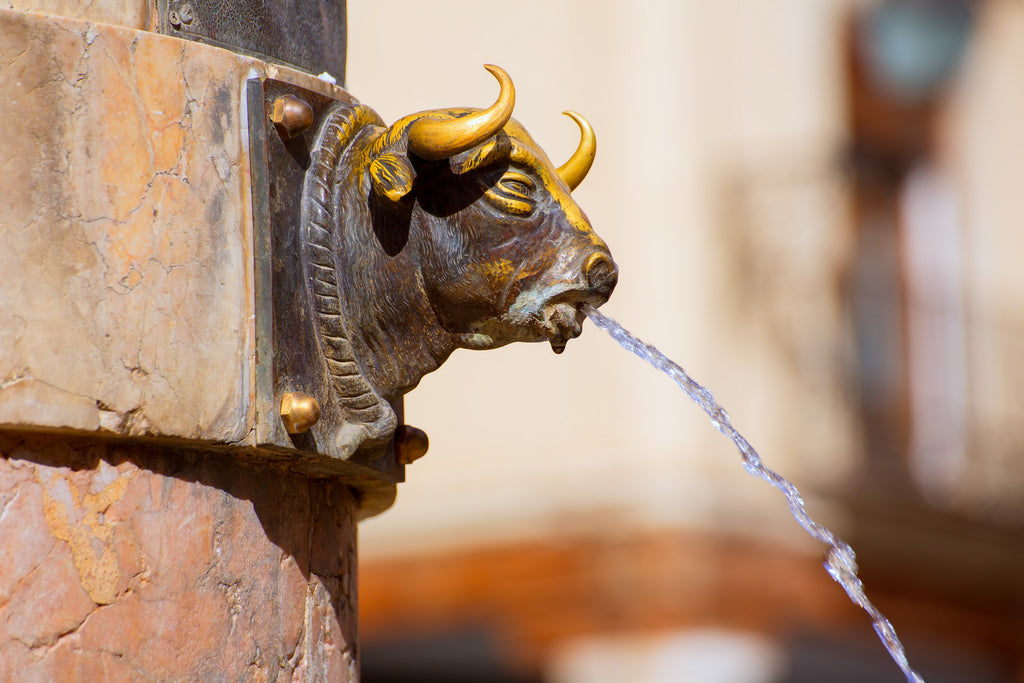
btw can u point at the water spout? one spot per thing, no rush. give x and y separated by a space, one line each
840 560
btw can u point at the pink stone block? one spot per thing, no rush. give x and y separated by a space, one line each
143 562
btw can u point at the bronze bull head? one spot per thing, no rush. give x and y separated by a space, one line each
448 229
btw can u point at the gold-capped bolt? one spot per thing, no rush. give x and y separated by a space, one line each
411 444
291 115
299 411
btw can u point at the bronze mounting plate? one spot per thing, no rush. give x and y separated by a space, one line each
308 35
288 355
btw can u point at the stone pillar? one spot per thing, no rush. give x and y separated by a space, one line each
130 561
148 530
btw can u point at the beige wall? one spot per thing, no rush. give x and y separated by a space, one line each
985 156
716 125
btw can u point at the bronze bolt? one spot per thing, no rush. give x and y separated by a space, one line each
291 115
411 444
299 411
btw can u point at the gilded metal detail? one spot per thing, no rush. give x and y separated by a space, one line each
291 115
438 135
576 168
299 412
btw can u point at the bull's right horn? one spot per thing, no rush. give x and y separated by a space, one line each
435 138
575 170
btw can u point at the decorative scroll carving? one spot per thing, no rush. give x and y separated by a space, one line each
362 406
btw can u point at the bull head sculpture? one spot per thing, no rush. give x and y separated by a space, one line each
448 229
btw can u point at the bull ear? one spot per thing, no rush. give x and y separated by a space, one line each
392 176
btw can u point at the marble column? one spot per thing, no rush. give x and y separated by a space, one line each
144 532
134 561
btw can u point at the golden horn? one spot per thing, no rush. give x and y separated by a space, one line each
435 138
575 170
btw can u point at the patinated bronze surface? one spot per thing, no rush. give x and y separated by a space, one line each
306 34
448 229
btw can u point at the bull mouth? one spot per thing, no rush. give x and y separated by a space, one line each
553 315
558 317
555 312
564 322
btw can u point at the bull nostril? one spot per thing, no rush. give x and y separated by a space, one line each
601 274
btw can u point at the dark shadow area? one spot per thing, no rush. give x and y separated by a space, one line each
456 656
390 222
443 193
299 149
856 658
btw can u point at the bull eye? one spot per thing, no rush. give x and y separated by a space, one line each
512 193
516 184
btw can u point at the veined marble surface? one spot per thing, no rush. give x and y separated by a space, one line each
126 296
132 562
138 14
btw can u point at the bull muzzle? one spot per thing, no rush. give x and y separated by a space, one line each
601 275
596 279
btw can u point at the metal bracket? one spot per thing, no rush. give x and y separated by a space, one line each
305 34
283 120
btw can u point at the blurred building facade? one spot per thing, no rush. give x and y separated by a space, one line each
816 208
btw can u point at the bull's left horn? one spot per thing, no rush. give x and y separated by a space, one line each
435 138
575 170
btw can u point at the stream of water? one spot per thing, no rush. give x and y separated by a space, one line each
840 560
